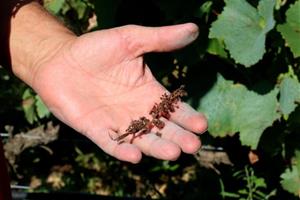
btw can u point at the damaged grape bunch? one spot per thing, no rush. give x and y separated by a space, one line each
143 125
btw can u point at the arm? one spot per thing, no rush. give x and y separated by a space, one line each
98 83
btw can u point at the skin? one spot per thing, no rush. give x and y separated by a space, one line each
97 83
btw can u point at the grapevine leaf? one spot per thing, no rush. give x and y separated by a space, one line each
243 29
41 109
54 6
291 177
289 94
231 108
290 31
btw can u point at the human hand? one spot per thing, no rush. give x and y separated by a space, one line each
98 83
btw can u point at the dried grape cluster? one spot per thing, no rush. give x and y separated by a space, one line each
143 125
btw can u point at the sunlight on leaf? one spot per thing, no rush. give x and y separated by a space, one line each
232 108
243 29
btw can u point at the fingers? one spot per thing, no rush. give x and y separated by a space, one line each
140 40
186 140
189 119
185 116
157 147
124 151
150 144
168 147
173 140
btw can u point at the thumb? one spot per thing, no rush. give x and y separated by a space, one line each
140 40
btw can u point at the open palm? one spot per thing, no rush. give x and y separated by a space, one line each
98 83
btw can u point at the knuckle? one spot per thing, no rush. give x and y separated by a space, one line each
131 40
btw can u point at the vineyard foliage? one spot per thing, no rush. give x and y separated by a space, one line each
242 72
231 108
241 22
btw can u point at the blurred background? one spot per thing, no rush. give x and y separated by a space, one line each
242 72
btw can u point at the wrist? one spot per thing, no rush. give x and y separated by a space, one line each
46 50
35 37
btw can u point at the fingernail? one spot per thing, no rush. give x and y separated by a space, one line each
194 31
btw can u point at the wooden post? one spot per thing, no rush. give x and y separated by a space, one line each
5 193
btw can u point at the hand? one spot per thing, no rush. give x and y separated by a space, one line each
98 83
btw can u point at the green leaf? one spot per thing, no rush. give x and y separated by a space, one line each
204 9
54 6
289 94
33 106
216 47
291 177
79 6
232 108
41 109
243 29
260 182
290 31
29 106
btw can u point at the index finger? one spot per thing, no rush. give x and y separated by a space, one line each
189 118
